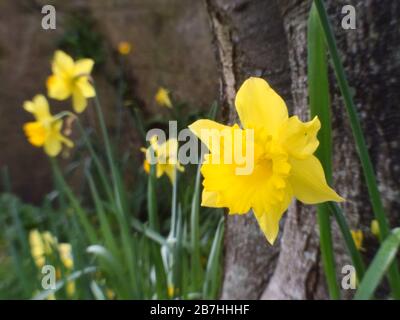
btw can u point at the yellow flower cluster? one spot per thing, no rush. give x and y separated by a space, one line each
69 78
43 245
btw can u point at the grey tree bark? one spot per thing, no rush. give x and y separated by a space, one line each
268 39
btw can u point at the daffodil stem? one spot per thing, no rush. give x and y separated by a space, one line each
174 204
327 252
151 199
126 241
377 206
153 223
351 246
74 201
318 87
108 149
195 232
96 160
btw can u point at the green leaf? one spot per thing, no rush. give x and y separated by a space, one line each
211 281
377 206
318 90
379 266
195 233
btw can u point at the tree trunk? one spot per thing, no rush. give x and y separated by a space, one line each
268 39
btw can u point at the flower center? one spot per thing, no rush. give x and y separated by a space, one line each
36 133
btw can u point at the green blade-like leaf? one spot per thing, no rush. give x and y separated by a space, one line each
369 174
210 288
318 89
195 233
379 266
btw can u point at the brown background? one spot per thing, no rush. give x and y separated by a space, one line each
172 47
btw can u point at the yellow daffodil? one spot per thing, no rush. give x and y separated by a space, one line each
166 156
171 291
65 252
162 98
375 228
358 238
44 243
283 164
124 48
71 78
41 246
110 294
46 130
70 288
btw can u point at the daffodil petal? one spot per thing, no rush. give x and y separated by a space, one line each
269 215
171 173
58 88
300 138
52 146
55 139
146 166
85 87
159 170
259 106
207 130
168 151
269 224
39 107
83 67
162 98
62 63
210 199
78 101
308 181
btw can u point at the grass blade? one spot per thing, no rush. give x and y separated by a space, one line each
74 203
351 246
195 234
318 89
382 261
211 281
377 206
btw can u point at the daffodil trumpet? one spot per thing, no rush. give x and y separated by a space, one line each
282 165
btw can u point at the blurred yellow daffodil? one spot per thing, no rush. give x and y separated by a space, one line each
71 78
124 48
358 238
283 164
41 245
46 130
44 243
166 158
162 98
375 228
171 291
65 252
